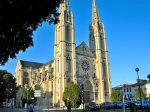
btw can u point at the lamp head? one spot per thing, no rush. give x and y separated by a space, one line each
137 69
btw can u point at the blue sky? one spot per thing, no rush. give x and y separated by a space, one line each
127 28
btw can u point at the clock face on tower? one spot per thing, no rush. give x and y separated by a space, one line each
85 65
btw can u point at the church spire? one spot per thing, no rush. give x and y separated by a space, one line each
95 16
64 5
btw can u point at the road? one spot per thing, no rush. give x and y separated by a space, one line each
9 110
79 110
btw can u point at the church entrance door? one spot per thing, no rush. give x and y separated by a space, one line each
88 91
86 96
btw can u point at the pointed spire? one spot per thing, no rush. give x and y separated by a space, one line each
64 5
95 16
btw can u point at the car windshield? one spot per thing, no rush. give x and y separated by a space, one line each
119 102
108 103
92 103
138 102
129 102
135 101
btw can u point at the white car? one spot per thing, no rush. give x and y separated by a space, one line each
145 104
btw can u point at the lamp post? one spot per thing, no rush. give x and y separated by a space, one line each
137 70
27 97
26 86
148 76
123 109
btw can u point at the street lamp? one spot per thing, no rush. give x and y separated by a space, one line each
123 108
26 86
148 76
137 70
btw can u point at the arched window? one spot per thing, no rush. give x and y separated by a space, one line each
67 17
105 86
25 80
67 33
104 69
37 87
92 44
68 60
94 75
101 43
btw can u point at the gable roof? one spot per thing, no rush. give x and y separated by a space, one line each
30 64
83 49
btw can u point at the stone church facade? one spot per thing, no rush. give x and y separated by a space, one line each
81 64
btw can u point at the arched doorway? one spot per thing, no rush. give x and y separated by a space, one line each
88 91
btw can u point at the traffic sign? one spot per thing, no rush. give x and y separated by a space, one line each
37 93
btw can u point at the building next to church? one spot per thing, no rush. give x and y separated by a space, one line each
129 90
80 64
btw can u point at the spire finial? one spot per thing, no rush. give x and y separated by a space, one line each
95 16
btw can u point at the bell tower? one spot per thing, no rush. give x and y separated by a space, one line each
98 45
64 53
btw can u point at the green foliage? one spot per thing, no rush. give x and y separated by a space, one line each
27 94
115 96
137 94
72 92
16 31
8 87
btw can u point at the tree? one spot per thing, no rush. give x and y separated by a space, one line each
71 94
148 76
137 94
27 93
18 20
8 88
115 96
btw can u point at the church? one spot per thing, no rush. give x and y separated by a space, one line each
80 64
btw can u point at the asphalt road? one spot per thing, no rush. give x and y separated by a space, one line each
79 110
9 110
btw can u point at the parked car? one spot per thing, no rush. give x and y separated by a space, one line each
97 107
2 105
91 106
107 105
145 104
119 104
129 104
